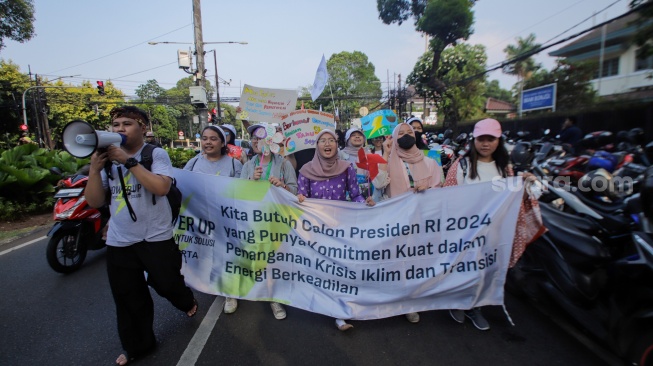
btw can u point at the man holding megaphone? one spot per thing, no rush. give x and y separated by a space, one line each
139 239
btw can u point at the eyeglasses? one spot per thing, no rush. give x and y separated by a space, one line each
255 139
326 141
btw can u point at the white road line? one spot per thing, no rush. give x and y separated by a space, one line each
196 344
22 245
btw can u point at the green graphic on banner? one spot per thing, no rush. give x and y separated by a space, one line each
255 252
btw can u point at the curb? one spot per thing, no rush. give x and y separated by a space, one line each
21 235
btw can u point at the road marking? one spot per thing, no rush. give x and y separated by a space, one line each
197 343
22 245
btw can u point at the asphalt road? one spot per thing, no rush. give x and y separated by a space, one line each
51 319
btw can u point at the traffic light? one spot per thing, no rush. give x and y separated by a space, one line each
100 88
23 127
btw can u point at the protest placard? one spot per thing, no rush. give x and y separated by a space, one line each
301 126
266 105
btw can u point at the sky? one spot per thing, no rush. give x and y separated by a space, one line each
108 40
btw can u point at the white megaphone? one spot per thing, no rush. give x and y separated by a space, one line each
81 140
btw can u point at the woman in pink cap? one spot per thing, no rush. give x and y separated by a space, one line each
485 160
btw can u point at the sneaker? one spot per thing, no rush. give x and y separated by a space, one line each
458 315
477 319
230 305
413 317
343 325
278 310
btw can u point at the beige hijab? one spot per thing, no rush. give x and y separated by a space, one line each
321 168
423 170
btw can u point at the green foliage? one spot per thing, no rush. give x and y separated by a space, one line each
179 157
68 103
494 90
446 21
13 210
351 74
462 99
16 21
524 65
12 85
26 183
644 36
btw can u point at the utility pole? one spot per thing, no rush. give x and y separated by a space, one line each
199 50
217 85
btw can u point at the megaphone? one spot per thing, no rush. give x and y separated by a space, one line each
81 140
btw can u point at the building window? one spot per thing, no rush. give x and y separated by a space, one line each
610 68
644 63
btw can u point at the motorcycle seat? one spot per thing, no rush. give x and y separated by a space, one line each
581 223
577 247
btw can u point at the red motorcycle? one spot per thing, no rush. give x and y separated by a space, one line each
78 227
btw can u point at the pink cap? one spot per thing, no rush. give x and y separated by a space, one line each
487 126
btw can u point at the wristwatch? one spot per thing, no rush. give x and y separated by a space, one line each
130 163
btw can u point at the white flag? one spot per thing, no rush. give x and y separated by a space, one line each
321 76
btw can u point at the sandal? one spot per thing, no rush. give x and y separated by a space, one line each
123 360
191 313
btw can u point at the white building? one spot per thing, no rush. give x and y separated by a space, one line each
623 74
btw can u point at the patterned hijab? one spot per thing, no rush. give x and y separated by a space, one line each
421 171
321 168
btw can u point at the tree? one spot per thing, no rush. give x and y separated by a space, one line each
494 90
574 88
12 85
16 20
463 99
644 36
352 81
445 21
150 91
80 102
524 66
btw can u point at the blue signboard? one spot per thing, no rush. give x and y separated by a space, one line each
542 97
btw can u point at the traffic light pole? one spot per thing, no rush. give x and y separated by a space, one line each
38 87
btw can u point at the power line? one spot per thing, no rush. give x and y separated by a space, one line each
138 72
541 48
122 50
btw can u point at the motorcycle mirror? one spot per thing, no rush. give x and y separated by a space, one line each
56 171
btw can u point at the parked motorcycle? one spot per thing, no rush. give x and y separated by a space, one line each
601 285
78 227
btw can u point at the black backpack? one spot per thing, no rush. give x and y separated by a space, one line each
174 194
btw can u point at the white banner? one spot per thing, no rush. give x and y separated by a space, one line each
446 248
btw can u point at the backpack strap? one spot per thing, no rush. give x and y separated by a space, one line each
194 162
146 161
233 168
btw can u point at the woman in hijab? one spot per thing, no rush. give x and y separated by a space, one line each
354 141
407 170
328 177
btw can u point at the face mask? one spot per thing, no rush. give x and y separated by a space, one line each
406 142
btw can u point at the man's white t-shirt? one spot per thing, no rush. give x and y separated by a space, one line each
154 222
486 172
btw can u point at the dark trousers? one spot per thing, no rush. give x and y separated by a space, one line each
134 305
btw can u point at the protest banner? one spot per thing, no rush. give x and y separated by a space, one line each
266 105
416 252
301 126
379 123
